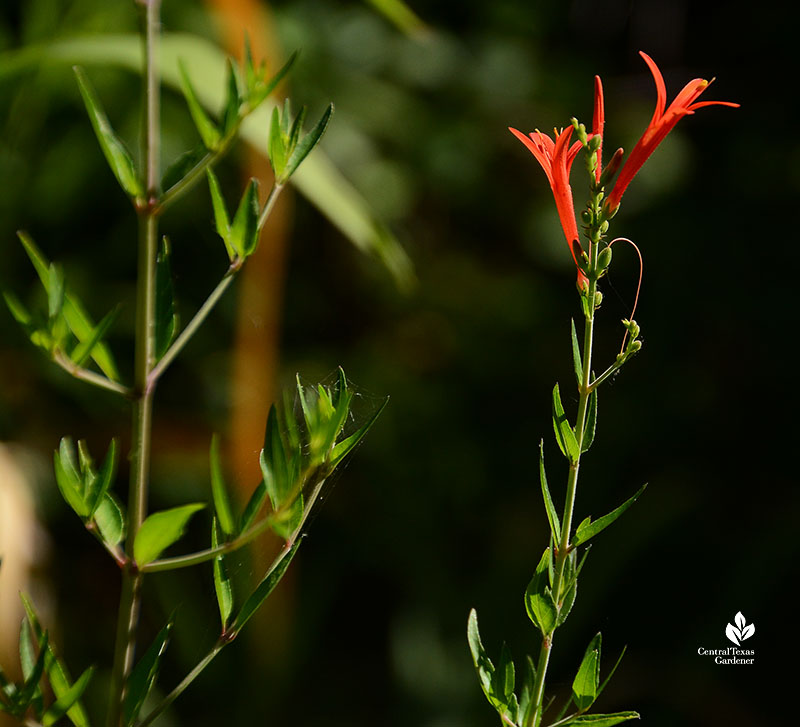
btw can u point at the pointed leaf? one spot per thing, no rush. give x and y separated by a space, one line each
588 529
603 720
101 483
55 291
244 229
184 164
78 321
110 520
591 422
67 478
306 144
277 145
265 588
296 130
539 600
83 351
160 530
166 313
577 361
261 92
220 491
348 444
144 674
27 651
552 515
205 126
18 310
230 114
222 583
565 436
505 677
253 506
611 673
115 152
220 212
587 680
65 702
480 658
31 687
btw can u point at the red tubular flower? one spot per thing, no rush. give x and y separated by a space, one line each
660 125
556 158
598 122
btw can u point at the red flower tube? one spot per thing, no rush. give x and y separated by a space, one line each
556 158
660 125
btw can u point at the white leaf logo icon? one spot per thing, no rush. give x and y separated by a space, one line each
741 631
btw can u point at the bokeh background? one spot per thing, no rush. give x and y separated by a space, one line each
439 510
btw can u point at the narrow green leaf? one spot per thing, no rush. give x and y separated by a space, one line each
144 674
221 221
84 350
79 322
552 515
296 130
110 520
505 677
205 126
591 422
69 482
219 490
587 680
497 684
233 100
18 310
261 92
577 361
253 506
348 444
66 701
481 660
166 313
565 436
611 673
265 588
588 529
27 651
99 485
539 602
115 152
603 720
57 673
55 291
244 229
276 147
306 144
526 703
160 530
31 687
222 583
274 464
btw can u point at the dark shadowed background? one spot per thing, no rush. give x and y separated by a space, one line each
439 510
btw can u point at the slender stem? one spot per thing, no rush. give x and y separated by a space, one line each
130 597
90 377
187 680
194 324
269 204
563 547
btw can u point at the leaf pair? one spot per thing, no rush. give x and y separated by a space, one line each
566 436
67 329
39 661
87 490
241 235
498 683
288 146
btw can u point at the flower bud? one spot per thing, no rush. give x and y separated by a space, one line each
587 217
598 299
612 167
604 258
595 142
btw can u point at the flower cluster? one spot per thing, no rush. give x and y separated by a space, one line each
556 155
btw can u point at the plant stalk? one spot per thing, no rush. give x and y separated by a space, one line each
130 597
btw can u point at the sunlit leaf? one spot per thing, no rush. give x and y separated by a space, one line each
69 482
577 361
102 481
588 529
219 490
552 515
307 143
110 520
244 228
115 152
160 530
66 701
166 313
84 350
538 598
221 220
565 436
591 422
205 126
587 680
253 506
603 720
222 583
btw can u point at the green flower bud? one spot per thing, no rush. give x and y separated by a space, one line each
587 217
595 142
604 258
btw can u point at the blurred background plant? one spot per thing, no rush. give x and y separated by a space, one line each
441 510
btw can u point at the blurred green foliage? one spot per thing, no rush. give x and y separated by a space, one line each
441 510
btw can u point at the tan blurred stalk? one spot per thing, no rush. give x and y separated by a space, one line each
259 312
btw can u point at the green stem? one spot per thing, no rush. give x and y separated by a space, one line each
194 324
89 376
130 597
187 680
269 204
563 547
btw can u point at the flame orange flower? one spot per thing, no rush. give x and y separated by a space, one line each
556 158
660 125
